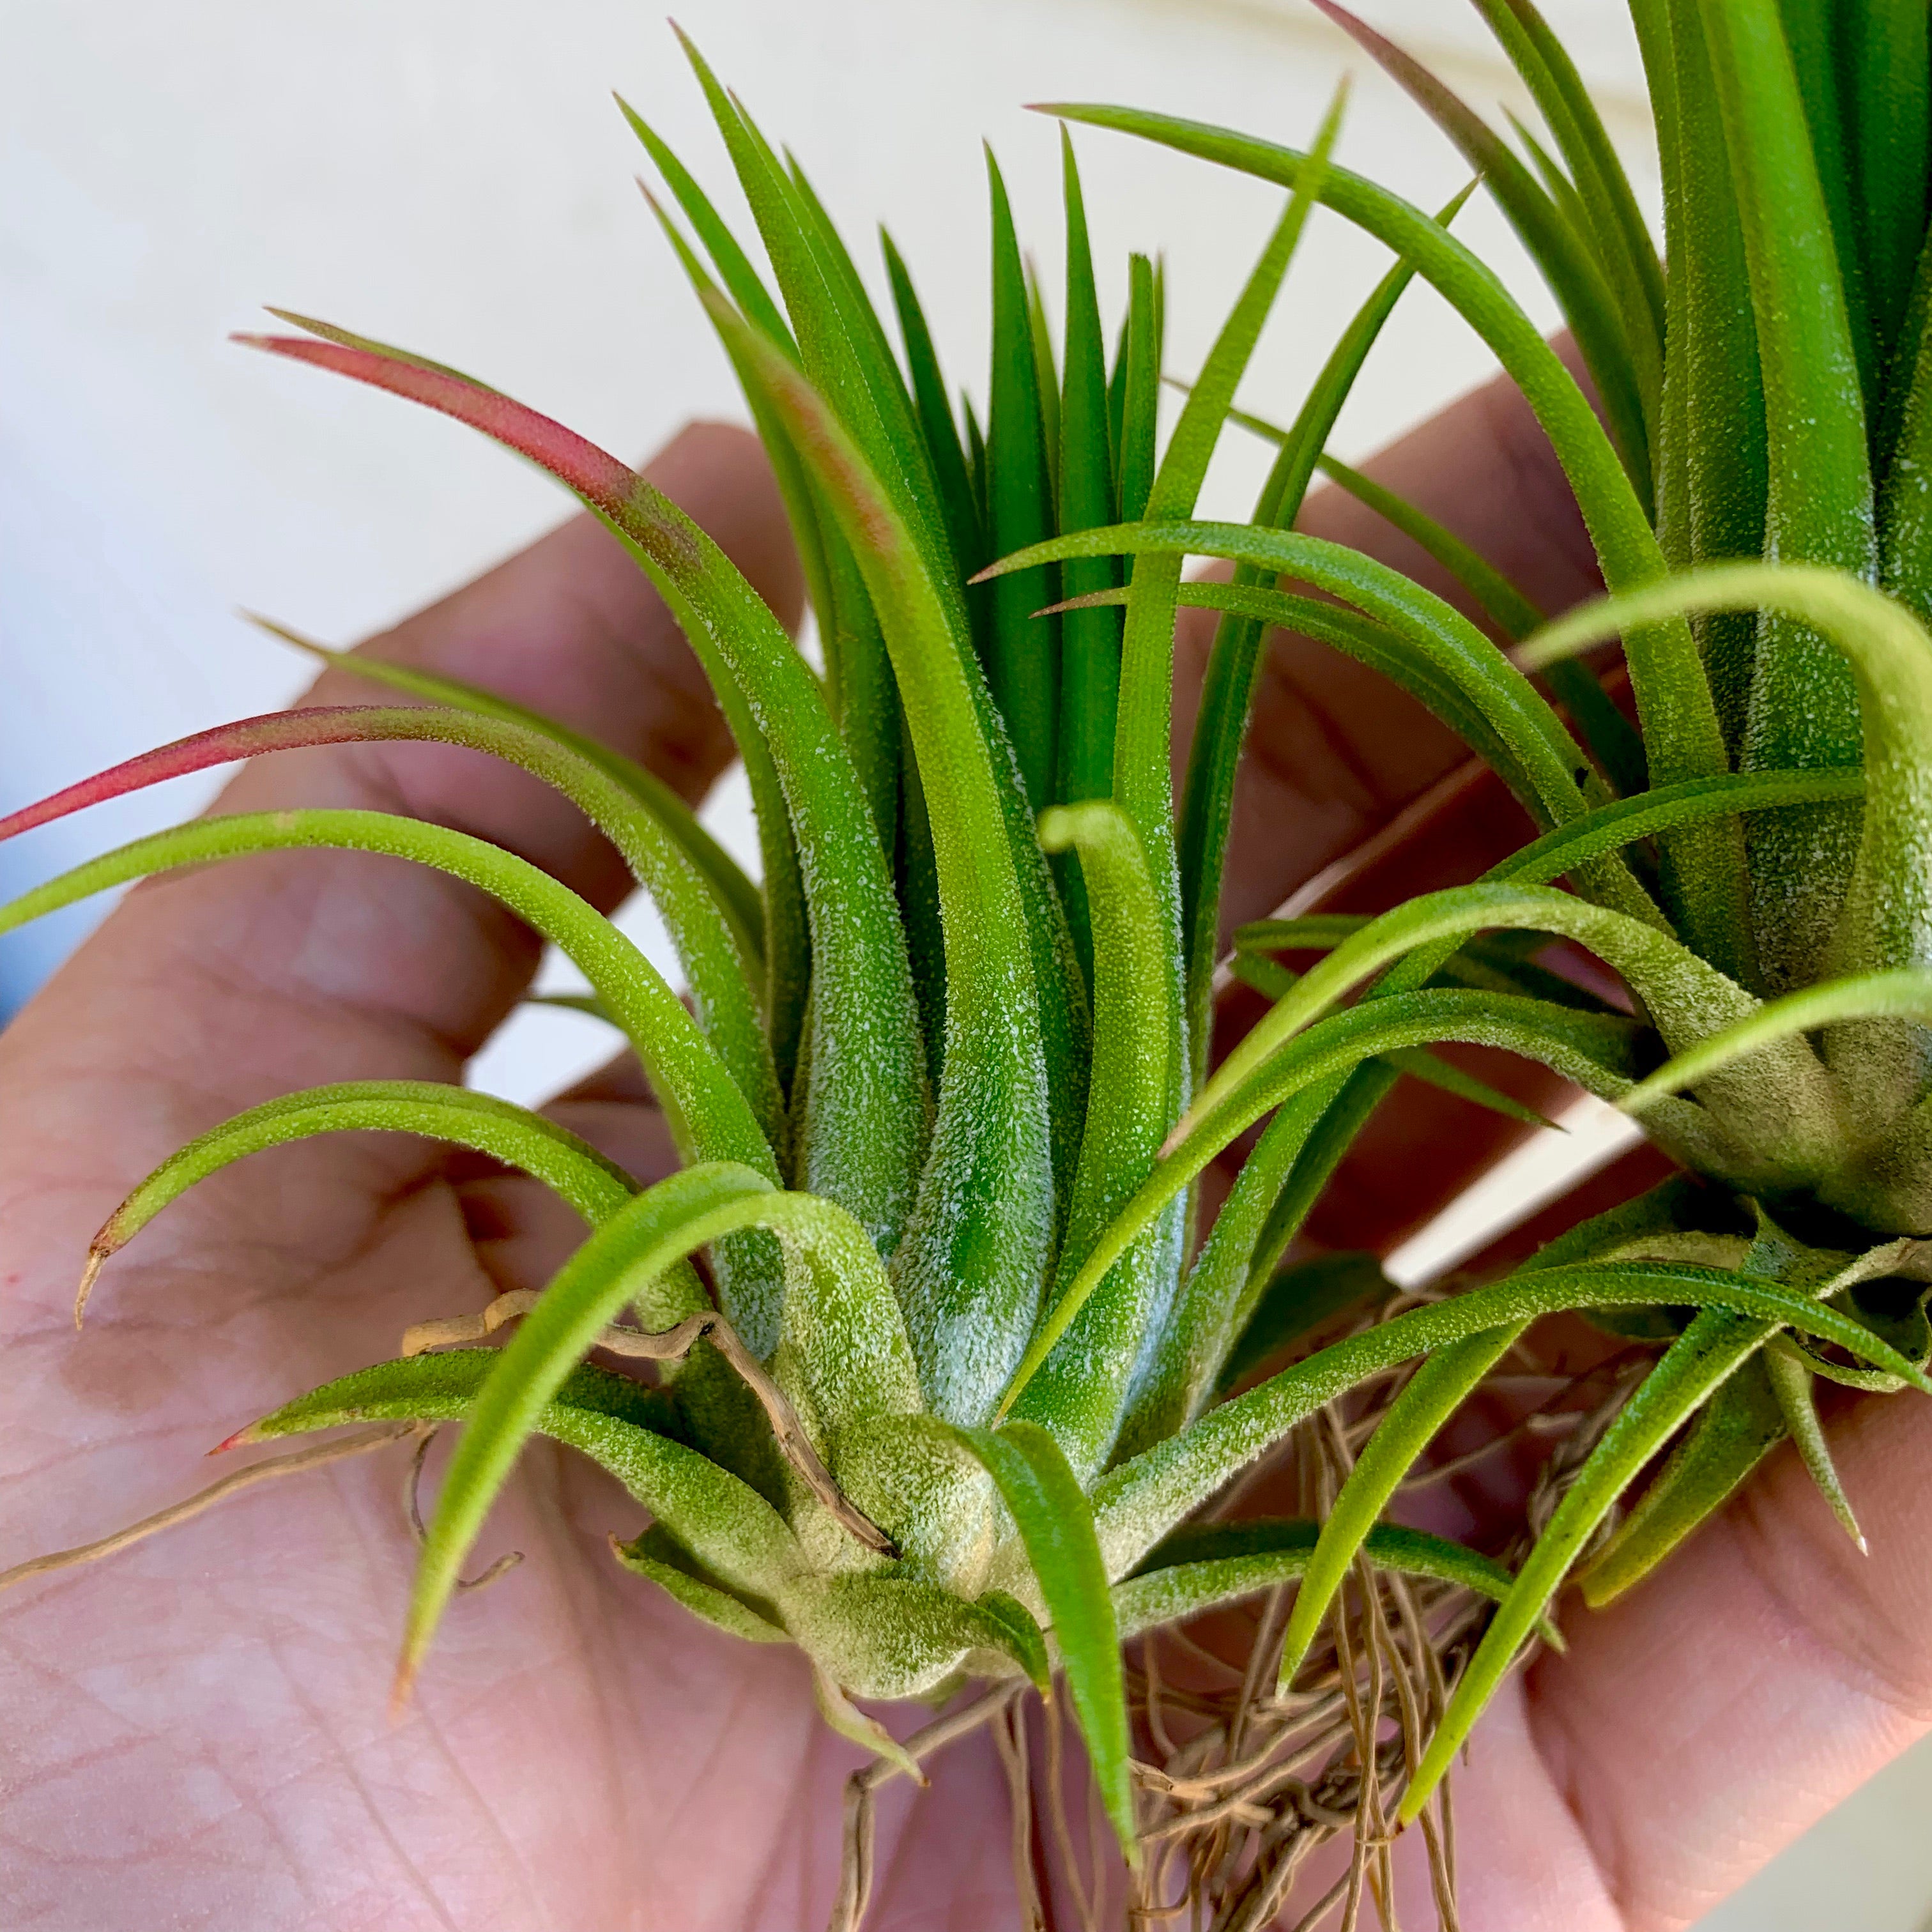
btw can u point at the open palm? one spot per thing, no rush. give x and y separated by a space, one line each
195 1734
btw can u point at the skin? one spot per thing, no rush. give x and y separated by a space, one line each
195 1733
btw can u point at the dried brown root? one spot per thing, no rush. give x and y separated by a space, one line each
857 1872
313 1456
1246 1786
412 1510
673 1345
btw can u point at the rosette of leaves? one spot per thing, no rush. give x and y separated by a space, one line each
949 1378
1754 858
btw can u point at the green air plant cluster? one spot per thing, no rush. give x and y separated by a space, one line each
957 1367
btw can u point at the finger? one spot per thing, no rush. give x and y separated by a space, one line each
1763 1673
206 991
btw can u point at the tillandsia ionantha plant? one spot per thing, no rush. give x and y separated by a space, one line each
945 1351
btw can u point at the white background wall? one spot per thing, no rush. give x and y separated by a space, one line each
451 175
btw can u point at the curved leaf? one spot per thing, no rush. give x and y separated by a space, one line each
1228 684
863 1127
1887 917
736 893
1056 1527
1137 1503
709 943
1205 1567
1560 253
1679 721
595 1186
660 1228
618 1422
708 1116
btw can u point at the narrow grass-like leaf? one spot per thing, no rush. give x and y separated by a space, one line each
1143 743
659 1228
1022 650
1137 1503
1089 641
840 345
1616 225
1728 1438
708 1117
1082 1384
1791 1381
708 944
1138 379
936 421
1562 255
746 285
1433 1394
971 1271
737 892
1208 1566
1233 661
573 1168
863 1126
1674 1390
1056 1528
1678 719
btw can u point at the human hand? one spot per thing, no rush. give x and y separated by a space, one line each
197 1733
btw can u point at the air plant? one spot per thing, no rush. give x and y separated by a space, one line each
943 1354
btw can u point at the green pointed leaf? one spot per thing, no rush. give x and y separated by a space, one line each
573 1168
1136 1504
1730 1436
862 1128
738 894
1056 1528
1679 724
1791 1381
618 1422
1562 254
1433 1394
708 942
1207 1566
1090 642
708 1118
1022 650
1611 217
1233 661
